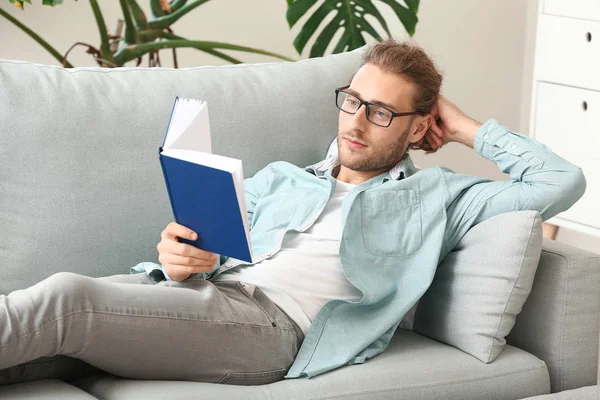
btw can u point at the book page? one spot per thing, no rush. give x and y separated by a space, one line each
196 134
238 180
188 126
210 160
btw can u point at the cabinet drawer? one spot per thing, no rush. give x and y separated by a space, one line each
568 121
568 52
584 9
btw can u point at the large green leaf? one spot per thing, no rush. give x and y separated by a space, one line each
348 15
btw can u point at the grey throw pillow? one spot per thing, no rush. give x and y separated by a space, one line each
481 286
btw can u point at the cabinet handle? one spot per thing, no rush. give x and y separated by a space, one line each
585 106
588 36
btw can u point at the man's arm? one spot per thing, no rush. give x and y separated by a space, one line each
539 179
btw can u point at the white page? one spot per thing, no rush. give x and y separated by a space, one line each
210 160
238 180
189 115
196 135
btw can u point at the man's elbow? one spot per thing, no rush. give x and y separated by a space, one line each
573 187
560 193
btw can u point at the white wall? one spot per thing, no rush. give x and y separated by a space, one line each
484 48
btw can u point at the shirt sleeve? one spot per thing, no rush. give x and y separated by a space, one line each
539 180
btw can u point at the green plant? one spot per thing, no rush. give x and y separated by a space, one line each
142 35
350 16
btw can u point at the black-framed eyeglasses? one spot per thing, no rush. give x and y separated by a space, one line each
376 114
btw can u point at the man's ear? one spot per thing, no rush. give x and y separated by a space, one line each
420 128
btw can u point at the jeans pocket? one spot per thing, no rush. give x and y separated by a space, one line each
245 292
254 378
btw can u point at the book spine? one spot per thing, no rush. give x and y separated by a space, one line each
170 119
164 170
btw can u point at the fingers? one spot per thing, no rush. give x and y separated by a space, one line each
188 250
185 250
174 230
439 142
429 138
181 260
436 128
188 262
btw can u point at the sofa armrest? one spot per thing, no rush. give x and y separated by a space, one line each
560 320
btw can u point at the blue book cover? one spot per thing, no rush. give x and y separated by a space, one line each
205 190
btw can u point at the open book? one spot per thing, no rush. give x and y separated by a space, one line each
206 190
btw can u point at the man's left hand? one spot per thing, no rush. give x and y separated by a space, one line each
450 125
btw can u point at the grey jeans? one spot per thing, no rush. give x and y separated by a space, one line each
70 325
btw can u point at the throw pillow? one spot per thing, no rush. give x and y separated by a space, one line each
481 286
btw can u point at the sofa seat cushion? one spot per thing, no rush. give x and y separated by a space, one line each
47 389
412 367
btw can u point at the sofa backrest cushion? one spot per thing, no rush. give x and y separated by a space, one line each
81 187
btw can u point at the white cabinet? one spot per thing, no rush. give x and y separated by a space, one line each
583 9
565 107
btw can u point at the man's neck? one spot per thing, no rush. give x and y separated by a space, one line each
344 174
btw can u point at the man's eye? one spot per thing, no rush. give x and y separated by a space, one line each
351 101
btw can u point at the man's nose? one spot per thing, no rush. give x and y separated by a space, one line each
359 118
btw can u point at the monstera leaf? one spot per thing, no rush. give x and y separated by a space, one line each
349 16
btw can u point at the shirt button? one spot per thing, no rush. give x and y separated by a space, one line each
486 136
514 146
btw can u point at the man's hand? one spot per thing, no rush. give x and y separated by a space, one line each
450 125
180 260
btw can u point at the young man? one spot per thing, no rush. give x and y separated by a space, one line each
344 248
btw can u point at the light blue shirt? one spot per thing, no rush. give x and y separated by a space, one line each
398 226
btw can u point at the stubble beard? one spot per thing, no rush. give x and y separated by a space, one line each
387 158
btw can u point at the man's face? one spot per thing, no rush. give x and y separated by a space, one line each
364 146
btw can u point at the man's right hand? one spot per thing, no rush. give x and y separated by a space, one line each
180 260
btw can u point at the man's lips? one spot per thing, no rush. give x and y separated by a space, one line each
355 144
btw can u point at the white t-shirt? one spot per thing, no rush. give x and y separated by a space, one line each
306 273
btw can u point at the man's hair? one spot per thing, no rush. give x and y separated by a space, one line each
411 62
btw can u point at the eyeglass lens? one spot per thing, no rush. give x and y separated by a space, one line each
350 104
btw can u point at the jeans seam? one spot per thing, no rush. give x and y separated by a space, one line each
128 315
252 375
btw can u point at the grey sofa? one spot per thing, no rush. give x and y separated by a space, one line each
81 190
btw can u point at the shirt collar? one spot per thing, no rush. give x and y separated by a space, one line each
403 169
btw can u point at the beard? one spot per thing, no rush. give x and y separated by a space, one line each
358 160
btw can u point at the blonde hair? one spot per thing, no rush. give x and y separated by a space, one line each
411 62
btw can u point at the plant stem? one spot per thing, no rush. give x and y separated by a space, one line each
131 52
129 28
177 4
105 45
156 8
138 15
35 37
